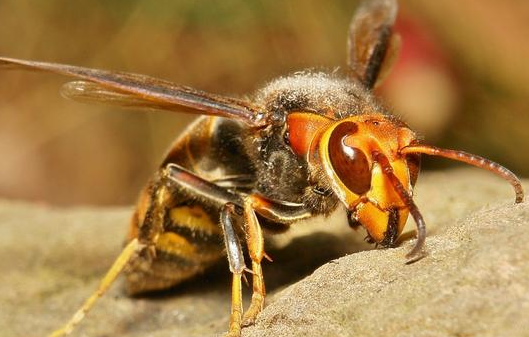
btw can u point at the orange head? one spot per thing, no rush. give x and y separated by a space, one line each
347 152
371 162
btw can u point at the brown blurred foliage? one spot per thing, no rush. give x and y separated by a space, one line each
62 152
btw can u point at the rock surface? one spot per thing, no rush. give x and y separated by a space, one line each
474 281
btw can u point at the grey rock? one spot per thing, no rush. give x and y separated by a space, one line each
473 282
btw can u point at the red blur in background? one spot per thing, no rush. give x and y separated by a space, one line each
462 80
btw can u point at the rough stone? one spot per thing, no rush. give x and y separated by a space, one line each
473 282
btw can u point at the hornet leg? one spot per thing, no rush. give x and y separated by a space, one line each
278 212
230 204
129 252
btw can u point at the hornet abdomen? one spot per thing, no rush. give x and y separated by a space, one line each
184 227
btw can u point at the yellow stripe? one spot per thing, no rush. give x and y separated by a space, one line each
194 218
175 244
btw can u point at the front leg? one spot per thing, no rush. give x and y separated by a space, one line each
255 243
275 211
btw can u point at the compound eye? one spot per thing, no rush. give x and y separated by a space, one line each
349 163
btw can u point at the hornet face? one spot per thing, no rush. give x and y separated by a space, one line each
348 150
371 162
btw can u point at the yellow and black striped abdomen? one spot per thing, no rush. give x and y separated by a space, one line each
185 232
191 241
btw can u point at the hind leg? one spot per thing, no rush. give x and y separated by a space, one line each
128 253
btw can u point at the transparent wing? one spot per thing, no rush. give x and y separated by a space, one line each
370 35
133 90
90 92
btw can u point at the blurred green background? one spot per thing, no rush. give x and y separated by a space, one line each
462 80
